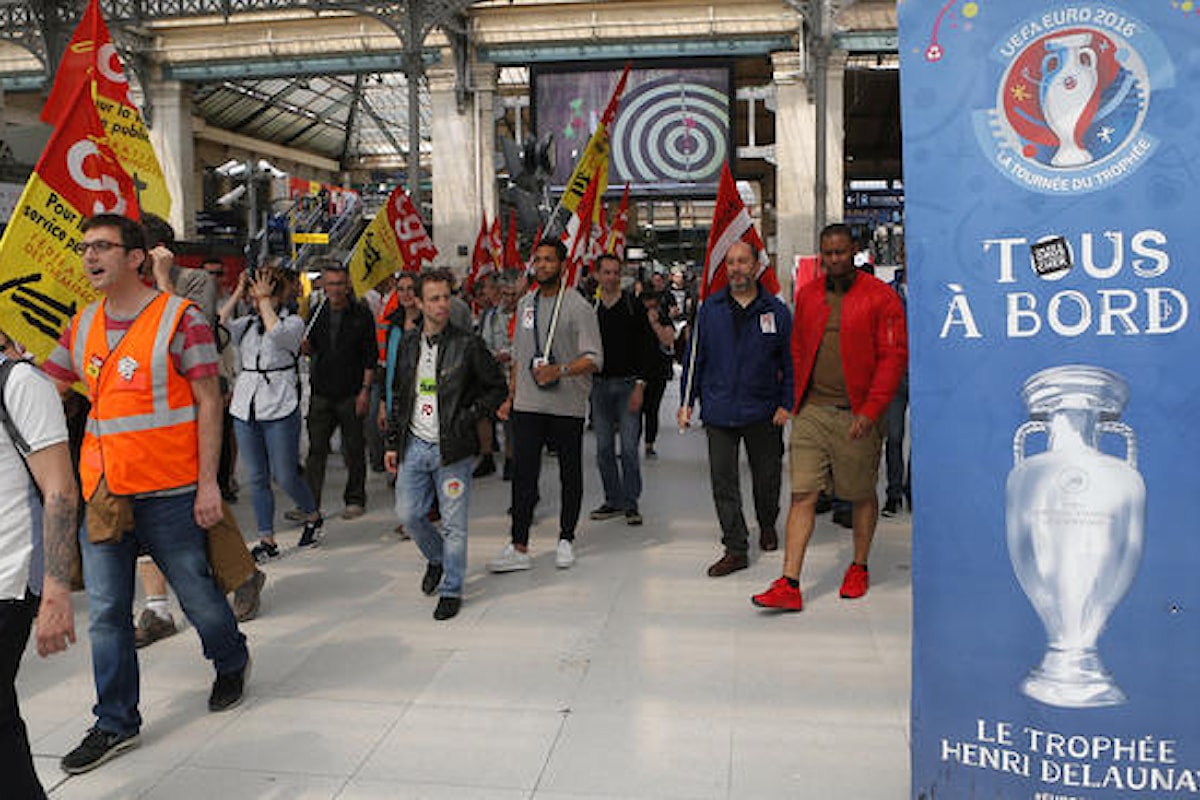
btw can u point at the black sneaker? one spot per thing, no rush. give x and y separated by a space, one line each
892 507
264 552
96 748
447 607
633 517
228 688
433 577
311 536
606 512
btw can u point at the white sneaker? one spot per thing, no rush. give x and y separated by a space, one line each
565 556
510 560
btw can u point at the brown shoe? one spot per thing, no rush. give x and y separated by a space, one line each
151 627
730 562
246 598
768 541
353 512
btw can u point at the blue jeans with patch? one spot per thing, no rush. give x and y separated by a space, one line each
422 474
164 528
611 416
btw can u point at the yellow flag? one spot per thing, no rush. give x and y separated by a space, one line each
593 164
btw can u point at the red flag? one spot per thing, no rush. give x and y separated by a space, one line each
731 223
89 52
415 245
512 256
90 59
77 176
578 233
537 239
495 244
481 257
616 232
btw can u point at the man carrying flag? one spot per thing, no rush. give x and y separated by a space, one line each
741 372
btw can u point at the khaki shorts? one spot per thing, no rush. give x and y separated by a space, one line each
823 457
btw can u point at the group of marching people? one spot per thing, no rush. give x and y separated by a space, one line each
417 381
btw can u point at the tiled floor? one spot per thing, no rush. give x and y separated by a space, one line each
631 675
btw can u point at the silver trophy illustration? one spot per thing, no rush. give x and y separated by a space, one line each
1075 520
1070 78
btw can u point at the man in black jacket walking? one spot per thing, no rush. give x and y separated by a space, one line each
445 382
341 341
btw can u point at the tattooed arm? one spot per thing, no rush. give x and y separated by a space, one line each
51 468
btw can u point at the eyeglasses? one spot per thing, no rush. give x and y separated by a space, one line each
100 246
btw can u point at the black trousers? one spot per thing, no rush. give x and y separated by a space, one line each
764 448
325 416
652 397
531 432
17 774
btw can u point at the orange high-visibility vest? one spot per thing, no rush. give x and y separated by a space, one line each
390 303
141 433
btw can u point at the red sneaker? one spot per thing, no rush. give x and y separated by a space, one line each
781 595
856 582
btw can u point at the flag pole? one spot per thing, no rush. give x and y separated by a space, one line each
695 342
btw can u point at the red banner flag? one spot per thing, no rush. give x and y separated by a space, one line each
91 58
395 240
578 233
512 256
616 232
481 258
495 244
731 223
42 283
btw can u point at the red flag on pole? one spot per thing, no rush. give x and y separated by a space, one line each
731 223
77 176
512 256
415 245
495 244
481 257
91 58
578 233
616 232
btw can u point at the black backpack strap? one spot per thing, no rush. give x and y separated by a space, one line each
6 367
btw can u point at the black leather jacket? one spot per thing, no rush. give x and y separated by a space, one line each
470 386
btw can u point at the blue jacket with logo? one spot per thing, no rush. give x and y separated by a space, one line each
741 379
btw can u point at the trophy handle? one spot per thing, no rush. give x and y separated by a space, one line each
1033 426
1123 430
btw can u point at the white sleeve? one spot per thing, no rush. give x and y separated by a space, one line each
35 407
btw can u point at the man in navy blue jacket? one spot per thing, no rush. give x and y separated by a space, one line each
743 380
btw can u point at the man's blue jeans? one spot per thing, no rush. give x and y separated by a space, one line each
164 528
270 449
611 416
421 475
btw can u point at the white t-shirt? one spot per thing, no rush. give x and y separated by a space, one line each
34 406
424 423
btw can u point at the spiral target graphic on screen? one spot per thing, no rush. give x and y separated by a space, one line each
671 131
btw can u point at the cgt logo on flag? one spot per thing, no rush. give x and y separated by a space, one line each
1072 99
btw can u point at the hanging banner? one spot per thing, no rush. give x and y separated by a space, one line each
1050 154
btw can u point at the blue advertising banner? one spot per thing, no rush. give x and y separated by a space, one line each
1052 164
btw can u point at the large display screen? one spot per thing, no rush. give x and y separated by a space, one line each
672 132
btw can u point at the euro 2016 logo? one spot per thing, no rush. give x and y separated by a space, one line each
1072 100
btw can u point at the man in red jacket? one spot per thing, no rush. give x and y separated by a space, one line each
849 353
